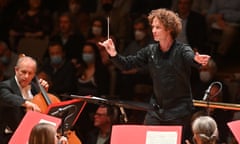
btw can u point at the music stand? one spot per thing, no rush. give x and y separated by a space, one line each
68 111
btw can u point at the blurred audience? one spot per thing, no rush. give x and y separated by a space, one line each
93 76
92 79
133 82
61 71
67 36
120 22
8 60
31 21
194 27
80 15
224 17
98 32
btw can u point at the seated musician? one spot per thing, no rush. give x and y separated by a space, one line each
15 96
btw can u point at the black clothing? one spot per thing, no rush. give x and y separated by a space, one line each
72 45
92 137
170 72
196 32
11 111
63 78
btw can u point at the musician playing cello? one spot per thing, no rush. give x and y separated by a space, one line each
15 96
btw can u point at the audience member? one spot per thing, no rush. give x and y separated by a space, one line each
60 70
15 94
93 76
201 6
67 36
80 15
118 13
205 130
224 16
143 7
104 118
132 79
93 79
32 22
45 133
194 27
8 9
98 32
8 59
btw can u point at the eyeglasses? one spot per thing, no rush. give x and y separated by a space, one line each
99 114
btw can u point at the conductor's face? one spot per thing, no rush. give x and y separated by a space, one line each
160 33
25 72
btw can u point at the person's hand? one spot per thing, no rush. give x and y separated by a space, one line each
31 106
44 84
201 59
63 140
187 142
109 47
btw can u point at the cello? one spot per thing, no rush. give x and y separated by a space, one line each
43 100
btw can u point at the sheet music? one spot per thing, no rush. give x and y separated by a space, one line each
156 137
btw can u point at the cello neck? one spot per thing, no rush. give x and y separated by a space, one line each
43 91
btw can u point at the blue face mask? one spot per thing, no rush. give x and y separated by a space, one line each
87 57
56 59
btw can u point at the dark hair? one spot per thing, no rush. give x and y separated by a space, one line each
103 21
142 20
112 112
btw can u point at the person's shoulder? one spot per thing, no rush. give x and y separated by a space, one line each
7 83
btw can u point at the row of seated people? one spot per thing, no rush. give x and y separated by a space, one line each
36 21
90 77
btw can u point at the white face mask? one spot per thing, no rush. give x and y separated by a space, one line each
205 76
96 30
139 35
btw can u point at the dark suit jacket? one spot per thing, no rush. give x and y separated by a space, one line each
11 111
92 137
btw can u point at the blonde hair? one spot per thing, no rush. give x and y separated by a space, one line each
206 128
169 19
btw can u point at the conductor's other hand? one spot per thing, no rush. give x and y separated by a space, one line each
109 47
201 59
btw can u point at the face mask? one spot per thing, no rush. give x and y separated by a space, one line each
139 35
4 60
56 59
205 76
107 7
96 30
87 58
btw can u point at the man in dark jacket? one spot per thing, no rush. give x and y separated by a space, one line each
15 94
